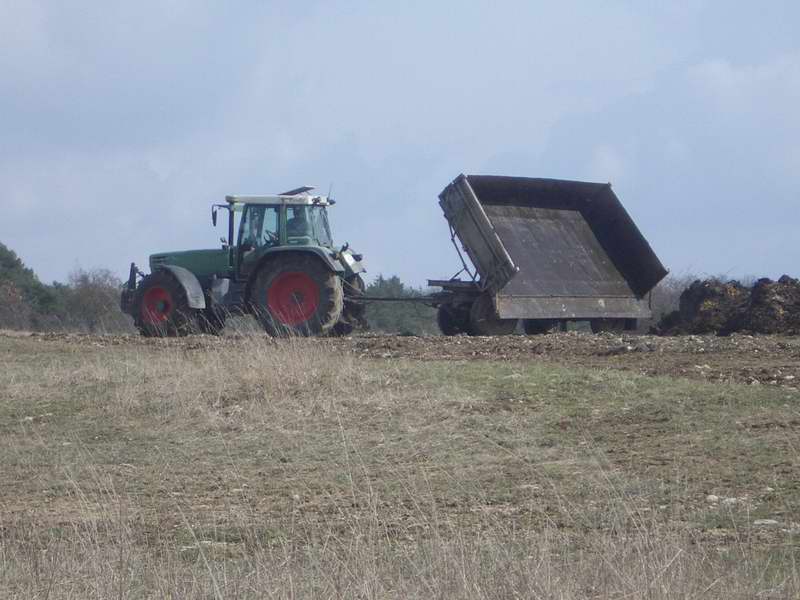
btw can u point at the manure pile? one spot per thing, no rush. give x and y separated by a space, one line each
714 306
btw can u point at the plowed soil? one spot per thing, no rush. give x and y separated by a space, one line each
755 360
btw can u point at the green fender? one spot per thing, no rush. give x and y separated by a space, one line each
323 253
191 286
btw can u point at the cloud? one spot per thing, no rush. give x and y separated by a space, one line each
738 89
606 163
705 161
122 123
23 38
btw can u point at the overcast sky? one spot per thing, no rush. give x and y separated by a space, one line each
120 123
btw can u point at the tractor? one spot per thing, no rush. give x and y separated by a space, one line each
278 264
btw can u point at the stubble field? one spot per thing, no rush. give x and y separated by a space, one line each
559 466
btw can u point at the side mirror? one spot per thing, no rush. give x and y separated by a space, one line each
214 215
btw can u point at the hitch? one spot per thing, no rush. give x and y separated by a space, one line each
134 272
128 295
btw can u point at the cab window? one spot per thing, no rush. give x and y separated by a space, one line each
298 229
307 225
260 226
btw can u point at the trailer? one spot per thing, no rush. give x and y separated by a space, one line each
542 253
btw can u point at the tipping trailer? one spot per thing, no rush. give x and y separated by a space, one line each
544 252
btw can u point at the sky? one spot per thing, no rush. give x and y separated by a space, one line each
122 122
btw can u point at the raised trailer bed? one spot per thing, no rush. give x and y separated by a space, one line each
543 252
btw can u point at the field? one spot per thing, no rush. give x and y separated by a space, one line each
561 466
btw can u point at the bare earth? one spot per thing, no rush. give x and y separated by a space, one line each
755 360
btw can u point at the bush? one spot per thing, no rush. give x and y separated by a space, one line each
89 301
92 301
15 311
399 317
665 298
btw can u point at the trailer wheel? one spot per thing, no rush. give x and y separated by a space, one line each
541 326
161 307
297 295
452 320
612 325
483 319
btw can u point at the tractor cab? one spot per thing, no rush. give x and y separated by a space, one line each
269 223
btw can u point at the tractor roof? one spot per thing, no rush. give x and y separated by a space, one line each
296 196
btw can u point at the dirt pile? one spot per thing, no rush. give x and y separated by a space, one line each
714 306
774 307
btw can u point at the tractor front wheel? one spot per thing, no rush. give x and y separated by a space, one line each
161 307
297 295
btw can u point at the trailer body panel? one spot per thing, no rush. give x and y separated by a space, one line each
570 308
477 235
552 249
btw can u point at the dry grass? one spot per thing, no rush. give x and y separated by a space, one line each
248 467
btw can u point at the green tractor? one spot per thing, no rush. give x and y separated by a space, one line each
283 269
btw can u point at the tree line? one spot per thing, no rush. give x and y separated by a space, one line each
88 301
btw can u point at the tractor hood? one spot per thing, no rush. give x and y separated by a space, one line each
203 263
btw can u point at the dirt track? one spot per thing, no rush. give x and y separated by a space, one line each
756 360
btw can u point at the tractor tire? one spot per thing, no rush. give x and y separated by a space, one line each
541 326
353 312
342 329
161 308
609 325
452 320
211 322
297 296
484 321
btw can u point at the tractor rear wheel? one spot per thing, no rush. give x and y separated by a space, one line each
353 311
297 295
161 307
483 319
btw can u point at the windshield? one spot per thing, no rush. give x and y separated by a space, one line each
308 224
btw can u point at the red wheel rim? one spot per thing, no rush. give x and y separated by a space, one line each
156 305
293 298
